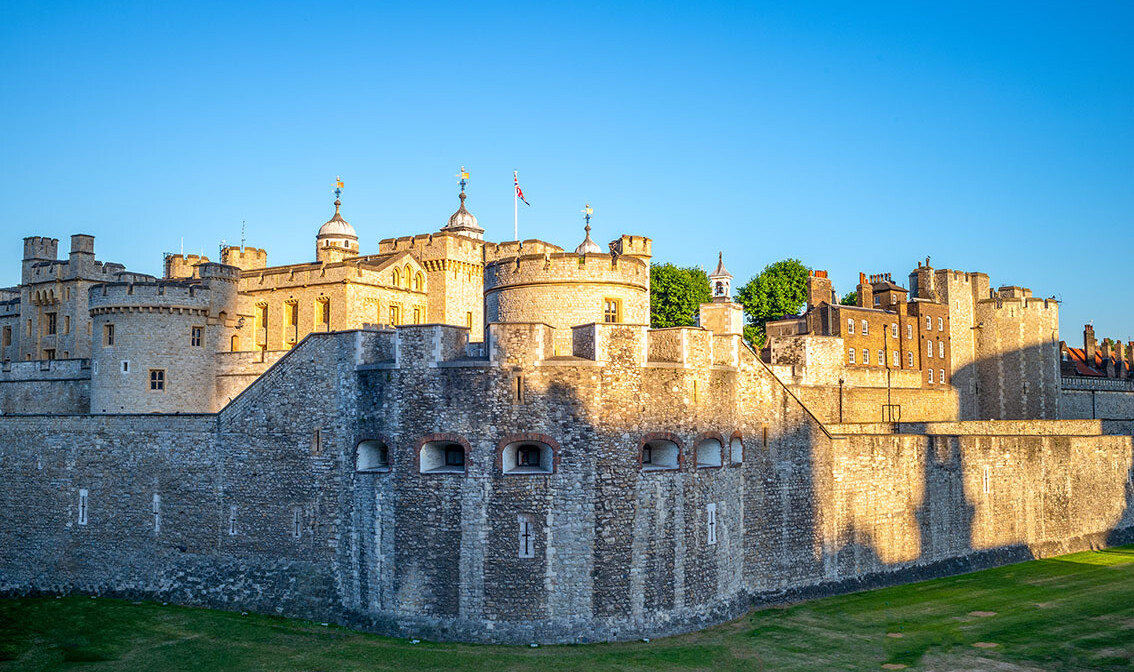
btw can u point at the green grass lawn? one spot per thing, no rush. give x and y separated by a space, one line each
1074 612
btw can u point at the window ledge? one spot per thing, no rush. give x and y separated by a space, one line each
445 470
374 470
652 468
527 471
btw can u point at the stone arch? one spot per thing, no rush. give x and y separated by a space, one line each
397 278
665 451
409 275
708 450
419 282
372 455
436 451
508 453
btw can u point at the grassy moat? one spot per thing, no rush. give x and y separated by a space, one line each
1074 612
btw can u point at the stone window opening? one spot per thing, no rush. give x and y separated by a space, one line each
157 380
196 336
986 481
234 343
296 522
125 366
418 283
736 449
397 279
66 324
417 315
107 335
372 456
612 311
83 507
711 511
395 315
527 457
232 521
317 441
526 535
518 389
442 457
468 320
660 454
708 453
52 323
408 273
7 337
323 312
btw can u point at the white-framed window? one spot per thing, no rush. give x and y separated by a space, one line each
526 535
897 358
931 375
82 507
881 358
865 356
941 375
941 349
850 356
157 512
928 323
909 330
929 348
125 366
894 330
711 510
941 324
865 327
909 359
850 326
986 481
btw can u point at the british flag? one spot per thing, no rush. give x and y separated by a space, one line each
519 192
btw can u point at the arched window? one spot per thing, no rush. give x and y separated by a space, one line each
527 454
235 343
659 451
709 450
409 275
372 455
736 448
418 282
443 454
397 278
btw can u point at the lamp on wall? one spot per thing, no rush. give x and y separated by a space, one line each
240 322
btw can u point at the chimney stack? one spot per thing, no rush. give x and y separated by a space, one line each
865 292
1089 344
819 289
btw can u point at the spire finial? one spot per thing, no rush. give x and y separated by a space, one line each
720 258
338 192
464 175
587 212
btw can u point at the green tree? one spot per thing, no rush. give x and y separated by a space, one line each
779 290
850 299
675 295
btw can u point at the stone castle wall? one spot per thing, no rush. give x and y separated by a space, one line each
59 386
1017 365
261 506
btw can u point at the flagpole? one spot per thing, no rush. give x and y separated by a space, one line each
516 207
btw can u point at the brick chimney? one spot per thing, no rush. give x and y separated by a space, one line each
1089 344
1121 367
865 292
1108 360
819 289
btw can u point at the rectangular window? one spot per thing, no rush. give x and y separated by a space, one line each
986 481
325 313
897 359
232 521
940 324
107 335
611 310
865 356
416 315
49 353
527 535
157 380
7 338
928 323
125 366
931 375
929 348
850 326
518 389
941 376
712 513
865 327
66 324
909 359
909 330
157 512
941 349
51 323
27 332
881 358
296 522
894 330
395 315
850 356
468 320
292 310
196 335
82 507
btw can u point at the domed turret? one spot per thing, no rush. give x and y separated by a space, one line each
464 222
588 246
336 239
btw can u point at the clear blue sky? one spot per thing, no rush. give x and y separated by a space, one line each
853 136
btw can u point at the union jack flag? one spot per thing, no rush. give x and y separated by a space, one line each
519 192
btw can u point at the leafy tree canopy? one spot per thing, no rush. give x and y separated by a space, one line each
675 295
779 290
850 299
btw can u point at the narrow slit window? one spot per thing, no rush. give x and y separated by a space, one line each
83 507
712 515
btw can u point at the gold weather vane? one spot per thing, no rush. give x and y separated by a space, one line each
338 187
464 175
587 212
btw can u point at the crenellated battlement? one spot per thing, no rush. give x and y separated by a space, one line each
131 297
244 258
567 267
517 248
431 244
179 266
